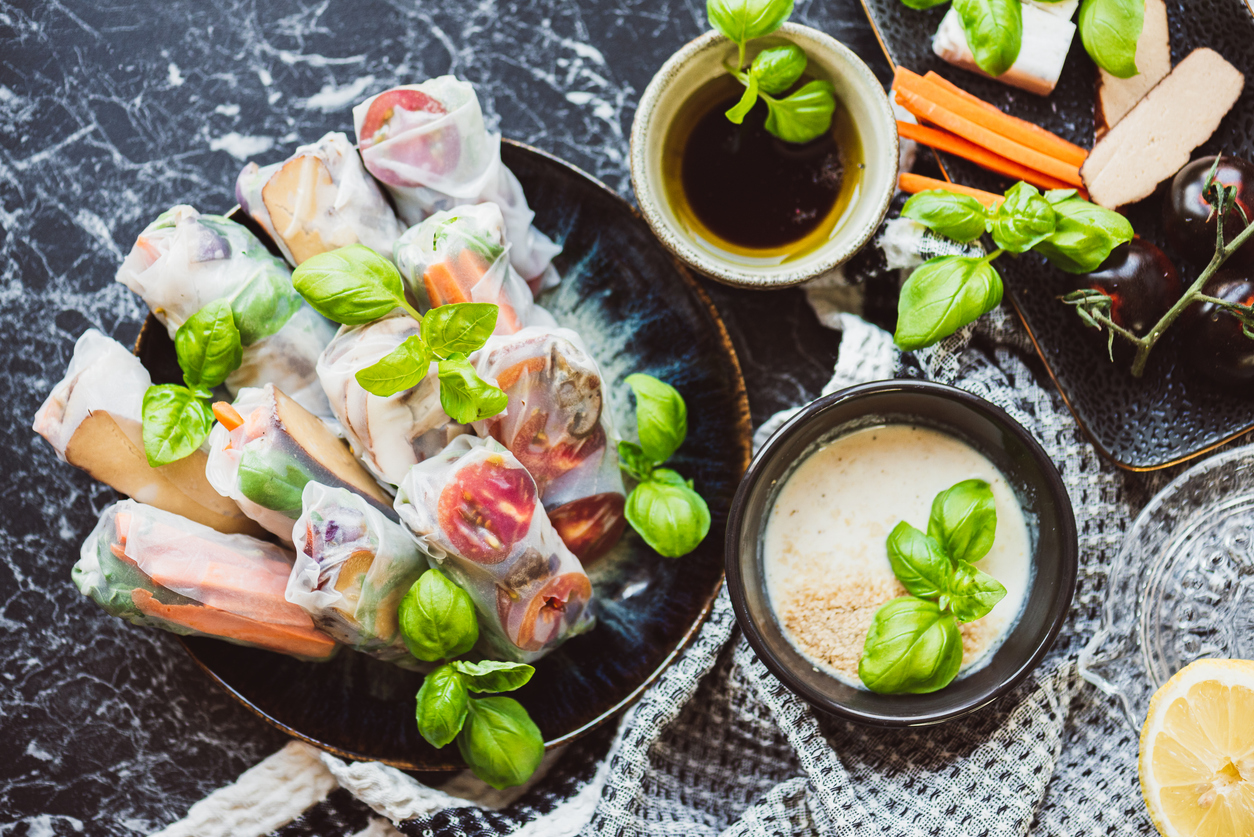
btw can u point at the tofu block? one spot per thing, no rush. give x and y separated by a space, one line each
1047 38
1116 96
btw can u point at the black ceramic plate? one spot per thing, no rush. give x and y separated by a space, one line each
1169 415
639 311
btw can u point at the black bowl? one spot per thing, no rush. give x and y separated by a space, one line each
988 430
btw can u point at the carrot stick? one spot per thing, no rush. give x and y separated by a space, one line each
1020 130
946 141
978 134
913 184
227 415
442 287
471 267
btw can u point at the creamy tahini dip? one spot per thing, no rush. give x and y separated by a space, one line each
825 554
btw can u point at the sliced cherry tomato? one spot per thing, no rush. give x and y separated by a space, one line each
562 599
548 458
383 108
486 509
435 152
589 526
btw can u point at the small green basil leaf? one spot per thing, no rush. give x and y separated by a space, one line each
672 518
1084 236
1110 30
778 68
494 676
459 328
913 647
994 30
272 478
922 4
744 20
500 742
973 592
402 368
208 345
632 460
661 416
352 285
175 423
941 296
960 217
964 520
465 396
736 114
437 618
1023 220
442 706
1059 195
918 561
805 115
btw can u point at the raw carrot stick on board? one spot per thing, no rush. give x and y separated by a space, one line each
953 144
913 184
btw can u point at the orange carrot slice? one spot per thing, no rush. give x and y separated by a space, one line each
912 184
945 141
227 415
442 287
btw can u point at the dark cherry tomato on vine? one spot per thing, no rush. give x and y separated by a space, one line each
435 152
589 526
1214 343
1187 214
486 509
1141 282
562 599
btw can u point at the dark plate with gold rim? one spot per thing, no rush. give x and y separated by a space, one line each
631 302
1169 415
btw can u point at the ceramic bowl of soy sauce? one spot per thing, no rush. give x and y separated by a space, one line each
747 208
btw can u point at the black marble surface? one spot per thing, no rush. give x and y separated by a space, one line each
112 111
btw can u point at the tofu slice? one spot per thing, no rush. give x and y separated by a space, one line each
1047 38
1155 139
292 197
1117 96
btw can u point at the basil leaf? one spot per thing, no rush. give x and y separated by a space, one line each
352 285
922 4
1023 220
208 345
913 647
632 460
960 217
671 517
941 296
973 592
803 116
272 478
442 706
1084 236
500 742
736 114
464 395
668 477
437 618
458 328
744 20
1059 195
919 561
493 676
661 416
778 68
994 30
964 520
176 421
400 369
1110 30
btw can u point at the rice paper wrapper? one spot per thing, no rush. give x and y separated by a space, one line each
353 567
462 255
558 426
319 199
289 360
427 143
156 569
183 261
474 511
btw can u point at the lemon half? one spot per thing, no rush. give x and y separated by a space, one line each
1197 751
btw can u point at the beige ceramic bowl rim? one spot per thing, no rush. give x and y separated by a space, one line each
647 192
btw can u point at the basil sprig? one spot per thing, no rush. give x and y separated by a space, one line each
177 418
495 735
663 507
914 644
994 30
355 285
947 292
806 113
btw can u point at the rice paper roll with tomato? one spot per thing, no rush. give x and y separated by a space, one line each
271 449
428 145
319 199
558 426
462 255
353 567
388 434
475 511
156 569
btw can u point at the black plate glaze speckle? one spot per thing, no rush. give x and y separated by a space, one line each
639 311
1169 415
